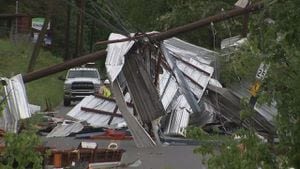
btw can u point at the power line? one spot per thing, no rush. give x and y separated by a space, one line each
97 20
94 5
111 10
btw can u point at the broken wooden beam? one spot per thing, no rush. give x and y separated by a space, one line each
100 112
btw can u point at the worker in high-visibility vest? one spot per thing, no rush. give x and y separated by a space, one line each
104 89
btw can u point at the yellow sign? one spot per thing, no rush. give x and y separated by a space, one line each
254 88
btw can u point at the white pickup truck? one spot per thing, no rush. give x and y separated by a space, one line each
80 82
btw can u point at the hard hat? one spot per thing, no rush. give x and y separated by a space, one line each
106 81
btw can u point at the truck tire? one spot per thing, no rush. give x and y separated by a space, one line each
67 102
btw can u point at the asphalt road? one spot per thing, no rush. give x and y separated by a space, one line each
163 157
172 156
61 110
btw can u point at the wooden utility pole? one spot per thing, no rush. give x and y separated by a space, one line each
79 31
37 46
67 34
40 40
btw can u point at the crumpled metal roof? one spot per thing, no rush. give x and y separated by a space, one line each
115 55
17 104
95 119
188 50
196 64
229 104
269 112
63 130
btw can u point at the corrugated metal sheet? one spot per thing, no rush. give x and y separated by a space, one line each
196 63
115 55
141 89
183 85
234 41
17 104
269 112
229 103
98 120
179 119
197 66
168 88
140 136
63 130
241 90
188 50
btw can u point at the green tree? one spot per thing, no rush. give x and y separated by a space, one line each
182 12
274 39
21 148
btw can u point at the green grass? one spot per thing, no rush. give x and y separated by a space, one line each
14 59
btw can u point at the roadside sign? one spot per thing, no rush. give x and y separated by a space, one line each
262 71
37 23
254 88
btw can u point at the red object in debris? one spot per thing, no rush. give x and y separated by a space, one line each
115 134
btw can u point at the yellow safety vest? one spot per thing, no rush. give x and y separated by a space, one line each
106 92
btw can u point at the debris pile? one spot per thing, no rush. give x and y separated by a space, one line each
158 90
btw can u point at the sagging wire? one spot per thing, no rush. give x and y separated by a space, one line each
122 29
97 20
110 9
214 32
105 20
116 15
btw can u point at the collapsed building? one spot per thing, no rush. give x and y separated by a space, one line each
161 88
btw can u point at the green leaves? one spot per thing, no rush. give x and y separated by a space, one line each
21 148
242 150
274 39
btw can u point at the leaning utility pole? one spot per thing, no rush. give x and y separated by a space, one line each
38 44
40 40
155 37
